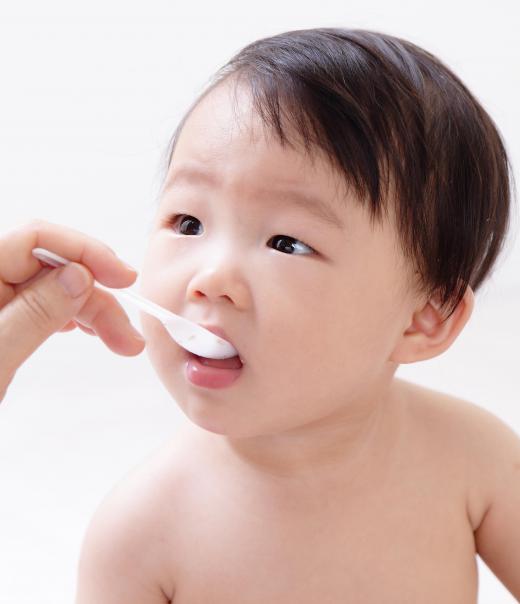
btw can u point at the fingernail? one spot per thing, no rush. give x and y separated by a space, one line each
74 279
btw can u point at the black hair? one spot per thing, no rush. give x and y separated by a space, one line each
398 125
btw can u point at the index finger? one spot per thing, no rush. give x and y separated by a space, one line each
17 264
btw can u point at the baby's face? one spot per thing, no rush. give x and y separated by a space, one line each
314 309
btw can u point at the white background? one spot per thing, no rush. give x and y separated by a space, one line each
90 95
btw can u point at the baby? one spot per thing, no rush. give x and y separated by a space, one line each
307 473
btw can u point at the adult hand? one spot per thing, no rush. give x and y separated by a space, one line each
37 300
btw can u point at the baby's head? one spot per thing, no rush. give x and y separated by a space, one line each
332 201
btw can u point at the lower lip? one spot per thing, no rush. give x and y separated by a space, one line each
209 377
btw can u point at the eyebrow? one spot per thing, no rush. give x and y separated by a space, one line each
313 205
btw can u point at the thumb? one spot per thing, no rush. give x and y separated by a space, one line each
39 310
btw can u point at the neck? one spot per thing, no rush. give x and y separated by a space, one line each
323 452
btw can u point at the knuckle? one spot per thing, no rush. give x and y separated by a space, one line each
35 224
26 227
93 308
101 311
35 307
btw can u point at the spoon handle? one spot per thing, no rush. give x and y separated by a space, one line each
147 305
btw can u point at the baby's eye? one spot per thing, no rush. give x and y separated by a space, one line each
280 246
190 220
288 246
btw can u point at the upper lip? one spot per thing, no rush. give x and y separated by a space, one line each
218 331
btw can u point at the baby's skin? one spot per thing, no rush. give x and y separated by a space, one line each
196 522
316 476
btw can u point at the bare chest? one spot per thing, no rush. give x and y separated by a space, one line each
407 543
398 532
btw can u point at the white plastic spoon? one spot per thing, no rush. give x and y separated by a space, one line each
187 334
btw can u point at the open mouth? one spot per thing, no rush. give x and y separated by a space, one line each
230 363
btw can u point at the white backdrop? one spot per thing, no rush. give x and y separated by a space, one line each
90 96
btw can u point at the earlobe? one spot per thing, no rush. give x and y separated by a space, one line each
430 333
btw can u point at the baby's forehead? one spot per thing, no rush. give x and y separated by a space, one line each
255 169
226 121
225 137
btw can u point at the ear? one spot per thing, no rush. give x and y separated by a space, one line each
428 335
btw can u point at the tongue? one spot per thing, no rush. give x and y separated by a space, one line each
232 363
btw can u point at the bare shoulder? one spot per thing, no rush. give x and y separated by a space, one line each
482 442
136 516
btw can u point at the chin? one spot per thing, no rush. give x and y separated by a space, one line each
212 422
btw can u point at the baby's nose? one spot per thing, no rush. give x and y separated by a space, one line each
217 284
